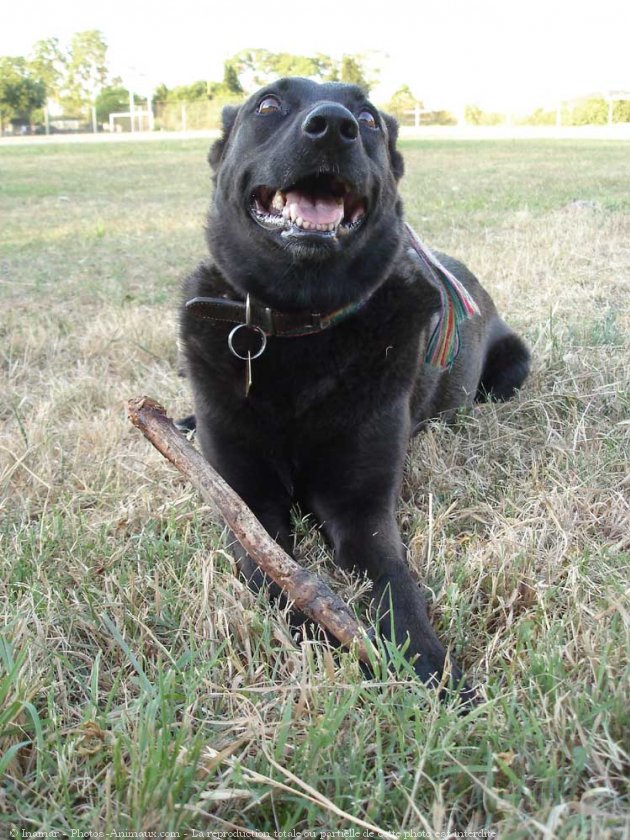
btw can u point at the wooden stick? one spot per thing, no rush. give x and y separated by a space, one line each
307 591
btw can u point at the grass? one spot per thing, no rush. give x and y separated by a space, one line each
142 688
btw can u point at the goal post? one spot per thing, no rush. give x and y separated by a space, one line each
138 120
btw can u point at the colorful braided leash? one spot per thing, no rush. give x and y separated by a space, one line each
457 305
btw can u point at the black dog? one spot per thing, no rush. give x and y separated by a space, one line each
314 399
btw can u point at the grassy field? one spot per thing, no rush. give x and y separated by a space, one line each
143 688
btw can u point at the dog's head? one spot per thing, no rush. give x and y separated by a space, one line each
306 212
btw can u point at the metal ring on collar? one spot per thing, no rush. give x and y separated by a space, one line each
263 341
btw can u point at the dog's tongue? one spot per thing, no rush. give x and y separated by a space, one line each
316 209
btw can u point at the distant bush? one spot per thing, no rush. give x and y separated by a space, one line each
403 104
591 111
621 111
539 117
475 116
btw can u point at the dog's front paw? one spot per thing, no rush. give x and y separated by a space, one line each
437 669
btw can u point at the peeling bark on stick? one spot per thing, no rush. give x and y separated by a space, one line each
308 592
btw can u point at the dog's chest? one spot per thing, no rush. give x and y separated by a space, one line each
338 377
297 376
346 374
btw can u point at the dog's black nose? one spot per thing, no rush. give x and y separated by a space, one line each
329 123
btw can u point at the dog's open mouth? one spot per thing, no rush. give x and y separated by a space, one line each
319 205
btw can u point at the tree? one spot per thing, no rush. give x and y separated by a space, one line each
20 91
401 103
333 73
49 64
473 115
286 64
263 66
352 74
160 94
111 100
87 67
439 118
231 83
195 92
621 111
593 111
540 116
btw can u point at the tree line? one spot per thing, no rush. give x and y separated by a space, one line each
72 75
76 77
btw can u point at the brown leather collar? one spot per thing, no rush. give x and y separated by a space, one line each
270 321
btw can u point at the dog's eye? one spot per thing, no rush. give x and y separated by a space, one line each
269 105
367 118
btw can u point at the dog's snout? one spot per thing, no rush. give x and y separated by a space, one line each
330 123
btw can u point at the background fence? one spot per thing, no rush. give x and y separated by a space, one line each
597 114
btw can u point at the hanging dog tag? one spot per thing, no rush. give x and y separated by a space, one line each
248 374
247 342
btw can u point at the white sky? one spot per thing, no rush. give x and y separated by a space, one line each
450 52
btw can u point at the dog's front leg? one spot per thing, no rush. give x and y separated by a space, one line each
370 541
258 481
355 483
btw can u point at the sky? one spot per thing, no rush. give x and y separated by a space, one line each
450 52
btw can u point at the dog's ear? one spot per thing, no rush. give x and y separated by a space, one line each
396 159
228 118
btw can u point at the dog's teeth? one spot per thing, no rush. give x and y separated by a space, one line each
299 221
278 201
